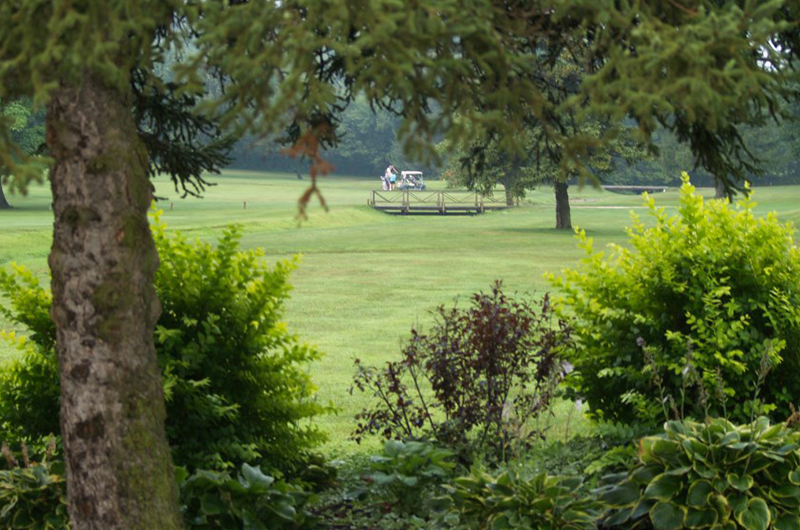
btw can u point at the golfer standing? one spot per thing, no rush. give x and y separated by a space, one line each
390 175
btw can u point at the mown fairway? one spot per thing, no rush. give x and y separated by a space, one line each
366 277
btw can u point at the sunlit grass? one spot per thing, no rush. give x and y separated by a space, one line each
366 277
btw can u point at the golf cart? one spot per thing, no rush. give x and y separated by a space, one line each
411 180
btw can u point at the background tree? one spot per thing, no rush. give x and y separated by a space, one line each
514 173
26 129
481 166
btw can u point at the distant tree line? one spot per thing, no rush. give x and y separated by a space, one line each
368 144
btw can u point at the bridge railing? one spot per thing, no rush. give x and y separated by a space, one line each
443 201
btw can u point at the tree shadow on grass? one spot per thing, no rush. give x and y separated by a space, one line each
567 234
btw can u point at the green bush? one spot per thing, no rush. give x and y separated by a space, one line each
28 395
711 475
480 501
33 496
407 472
211 500
712 291
235 380
234 377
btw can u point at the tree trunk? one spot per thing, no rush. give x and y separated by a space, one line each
563 215
509 196
119 469
720 191
3 202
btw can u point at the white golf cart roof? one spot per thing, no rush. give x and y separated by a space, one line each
404 173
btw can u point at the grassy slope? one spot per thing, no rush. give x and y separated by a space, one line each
367 277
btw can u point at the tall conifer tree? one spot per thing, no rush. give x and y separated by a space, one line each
699 69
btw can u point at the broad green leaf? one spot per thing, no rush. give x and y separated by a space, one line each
794 477
704 471
762 423
738 503
644 475
625 494
21 519
699 492
667 516
787 490
720 504
755 516
655 447
741 483
380 478
730 438
787 521
772 432
642 509
408 481
618 517
254 475
663 487
283 510
701 518
678 471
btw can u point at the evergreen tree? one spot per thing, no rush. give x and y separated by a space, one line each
698 71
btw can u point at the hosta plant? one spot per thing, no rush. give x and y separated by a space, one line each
406 472
710 475
253 500
33 495
481 501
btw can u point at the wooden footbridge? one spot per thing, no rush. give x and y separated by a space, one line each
433 202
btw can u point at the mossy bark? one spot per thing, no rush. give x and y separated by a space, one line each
3 202
119 469
563 214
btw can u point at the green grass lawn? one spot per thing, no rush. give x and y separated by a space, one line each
366 277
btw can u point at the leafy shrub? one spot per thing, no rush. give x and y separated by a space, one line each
713 287
474 382
406 473
711 475
480 501
33 495
28 395
234 377
212 500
